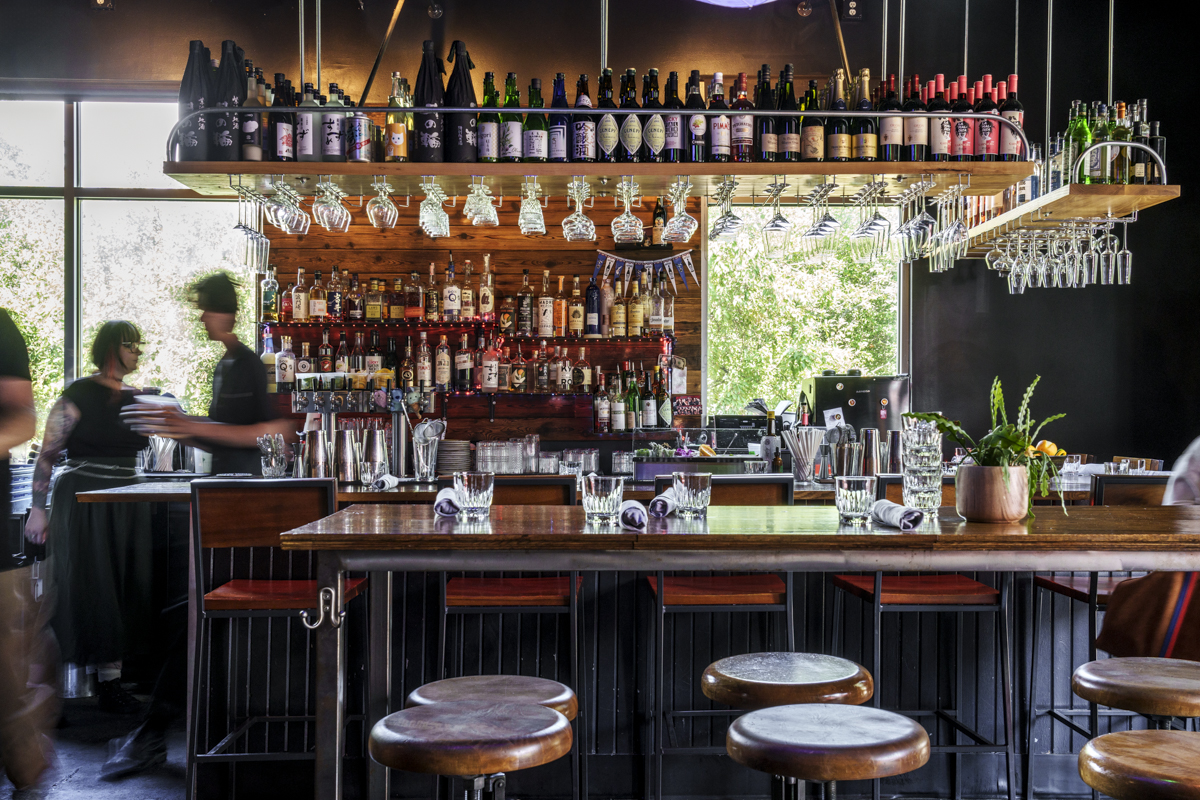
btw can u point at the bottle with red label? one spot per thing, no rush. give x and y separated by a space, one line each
1011 148
916 129
941 127
987 133
963 146
891 129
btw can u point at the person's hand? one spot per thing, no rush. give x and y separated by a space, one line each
167 421
35 526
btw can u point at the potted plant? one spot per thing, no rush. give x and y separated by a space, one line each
1005 470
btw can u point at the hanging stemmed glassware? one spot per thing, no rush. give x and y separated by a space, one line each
627 228
432 215
914 235
257 248
818 238
576 226
531 221
728 225
328 209
479 203
680 228
777 232
381 211
284 212
871 236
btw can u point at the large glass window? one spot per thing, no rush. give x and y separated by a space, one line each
773 322
31 143
122 145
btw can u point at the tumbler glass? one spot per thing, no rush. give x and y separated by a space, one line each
854 496
371 471
622 463
922 459
693 491
602 496
755 467
548 463
474 492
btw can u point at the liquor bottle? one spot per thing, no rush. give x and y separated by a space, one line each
566 371
488 130
616 404
355 303
325 353
534 137
617 318
601 410
269 289
655 325
461 129
511 139
1010 143
766 134
229 89
250 124
414 298
964 129
395 136
1139 159
581 374
304 364
697 126
268 359
285 366
490 380
649 405
504 372
285 304
373 302
451 295
525 311
300 299
634 317
1097 162
424 363
487 293
668 313
333 127
633 400
812 129
629 150
408 368
396 301
662 400
194 91
358 355
718 124
583 126
552 372
374 357
518 373
865 143
837 129
390 359
1079 136
464 366
591 313
560 311
341 357
673 137
560 124
741 126
607 296
281 126
442 376
507 317
916 129
540 376
575 311
941 126
335 298
469 311
1159 143
654 131
545 307
318 309
429 144
787 129
433 297
477 371
987 138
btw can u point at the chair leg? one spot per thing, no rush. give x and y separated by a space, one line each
1010 750
876 660
198 653
1093 626
1039 598
660 668
651 703
578 752
441 653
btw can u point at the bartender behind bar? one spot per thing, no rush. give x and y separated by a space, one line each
240 410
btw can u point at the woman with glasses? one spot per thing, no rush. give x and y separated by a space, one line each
99 554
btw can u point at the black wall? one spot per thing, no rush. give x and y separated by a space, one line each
1118 360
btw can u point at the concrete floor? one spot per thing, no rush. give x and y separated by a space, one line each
81 745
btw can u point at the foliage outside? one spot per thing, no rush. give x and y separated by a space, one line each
772 323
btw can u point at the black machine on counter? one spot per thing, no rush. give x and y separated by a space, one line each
861 401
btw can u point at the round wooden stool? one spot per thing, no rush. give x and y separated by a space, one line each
761 680
1156 687
514 689
1143 765
469 739
828 743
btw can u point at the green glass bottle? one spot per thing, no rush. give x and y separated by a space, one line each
488 131
511 138
1079 133
1097 163
534 133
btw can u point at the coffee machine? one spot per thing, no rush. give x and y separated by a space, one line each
861 401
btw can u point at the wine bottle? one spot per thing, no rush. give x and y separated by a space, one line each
281 125
837 129
941 126
533 132
718 124
916 129
654 131
560 123
191 143
489 123
583 126
591 310
891 129
461 129
395 141
987 138
673 123
511 135
766 137
429 144
812 129
608 134
741 126
865 144
697 145
630 149
1010 143
964 129
787 128
1159 143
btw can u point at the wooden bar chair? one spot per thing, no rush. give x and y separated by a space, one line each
1152 464
696 594
241 573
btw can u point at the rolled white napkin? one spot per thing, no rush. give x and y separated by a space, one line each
664 504
887 513
633 515
446 503
386 482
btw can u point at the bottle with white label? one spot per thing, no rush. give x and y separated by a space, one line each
916 129
649 406
608 134
583 126
395 132
424 364
673 138
491 368
534 134
718 124
511 126
654 131
630 149
308 127
487 131
616 404
333 127
601 407
441 367
560 124
987 135
487 292
545 307
464 365
592 310
451 295
300 298
741 126
285 366
941 127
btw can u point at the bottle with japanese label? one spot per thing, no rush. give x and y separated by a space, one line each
534 132
559 129
395 134
607 131
428 145
335 297
525 312
490 380
718 124
300 298
333 127
281 126
511 124
488 130
575 311
583 126
461 129
541 370
317 307
469 311
250 126
504 372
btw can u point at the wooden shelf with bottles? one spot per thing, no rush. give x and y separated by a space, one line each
475 327
219 178
1075 201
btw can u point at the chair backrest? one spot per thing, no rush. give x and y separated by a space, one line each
254 512
1152 464
775 489
528 490
1128 490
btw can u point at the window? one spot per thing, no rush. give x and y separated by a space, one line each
31 143
124 144
772 323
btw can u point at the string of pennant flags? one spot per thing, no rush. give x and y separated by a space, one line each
618 267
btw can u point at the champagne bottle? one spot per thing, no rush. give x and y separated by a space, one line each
461 147
583 126
429 144
489 122
308 126
787 128
865 144
837 129
812 129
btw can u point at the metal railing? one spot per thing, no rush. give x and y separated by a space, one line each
1162 167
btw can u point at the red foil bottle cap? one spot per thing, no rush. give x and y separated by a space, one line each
939 83
1012 83
962 84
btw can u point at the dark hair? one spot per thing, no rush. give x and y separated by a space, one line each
110 337
217 293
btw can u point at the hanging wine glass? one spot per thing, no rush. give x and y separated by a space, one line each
627 228
576 226
433 218
681 227
728 225
777 233
531 220
381 211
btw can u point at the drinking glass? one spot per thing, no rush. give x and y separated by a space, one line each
474 492
682 225
922 459
1071 465
548 463
854 496
626 228
274 466
693 491
425 459
576 226
755 467
531 221
622 462
371 471
381 211
602 496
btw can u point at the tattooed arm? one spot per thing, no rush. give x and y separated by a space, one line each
62 420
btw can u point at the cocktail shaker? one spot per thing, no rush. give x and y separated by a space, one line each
873 461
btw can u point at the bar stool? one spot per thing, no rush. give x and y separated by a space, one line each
1143 765
477 741
954 593
825 744
1157 688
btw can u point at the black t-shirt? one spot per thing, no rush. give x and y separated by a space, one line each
239 392
14 363
100 430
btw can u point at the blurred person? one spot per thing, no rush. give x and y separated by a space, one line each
99 555
22 754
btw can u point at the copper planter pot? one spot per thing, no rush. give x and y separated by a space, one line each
982 494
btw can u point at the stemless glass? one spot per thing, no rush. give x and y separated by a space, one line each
474 492
693 491
854 497
922 458
371 471
602 496
755 467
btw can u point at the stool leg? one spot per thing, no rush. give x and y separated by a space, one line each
441 653
660 668
1039 597
790 613
836 625
876 660
779 788
576 755
1006 678
1093 624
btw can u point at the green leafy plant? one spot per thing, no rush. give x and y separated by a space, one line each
1007 444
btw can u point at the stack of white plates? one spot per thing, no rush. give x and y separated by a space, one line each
454 455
